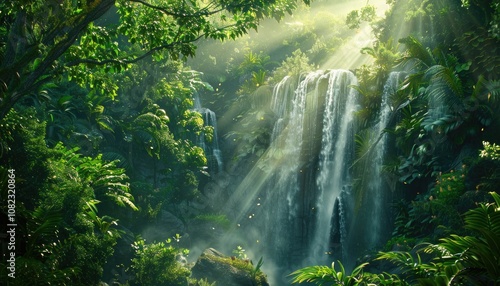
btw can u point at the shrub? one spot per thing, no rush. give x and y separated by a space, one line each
155 264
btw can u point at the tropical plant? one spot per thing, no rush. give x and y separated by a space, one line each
324 275
473 260
107 181
156 264
239 251
441 107
294 65
455 260
149 130
384 53
256 270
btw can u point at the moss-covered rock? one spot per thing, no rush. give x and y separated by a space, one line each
227 271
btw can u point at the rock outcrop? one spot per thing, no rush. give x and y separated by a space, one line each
227 271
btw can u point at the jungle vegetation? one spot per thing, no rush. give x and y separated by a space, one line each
97 122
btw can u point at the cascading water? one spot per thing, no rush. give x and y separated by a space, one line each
377 187
305 168
370 233
336 155
281 195
299 201
212 151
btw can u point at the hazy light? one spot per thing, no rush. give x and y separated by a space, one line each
245 196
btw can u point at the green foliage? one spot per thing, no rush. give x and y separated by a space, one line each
436 213
156 264
239 251
412 266
449 186
294 65
256 80
485 172
490 151
65 238
467 260
256 270
458 259
443 110
384 53
65 39
107 182
369 88
401 243
355 17
324 275
149 130
253 62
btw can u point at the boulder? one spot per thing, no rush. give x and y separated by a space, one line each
226 271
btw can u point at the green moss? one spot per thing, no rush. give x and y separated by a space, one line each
240 264
259 277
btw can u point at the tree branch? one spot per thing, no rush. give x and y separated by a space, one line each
146 54
202 12
30 84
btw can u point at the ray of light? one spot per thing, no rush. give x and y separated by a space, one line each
347 57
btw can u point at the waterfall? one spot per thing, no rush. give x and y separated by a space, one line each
299 205
282 193
211 149
307 164
335 156
374 188
377 186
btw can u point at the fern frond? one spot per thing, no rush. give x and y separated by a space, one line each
445 87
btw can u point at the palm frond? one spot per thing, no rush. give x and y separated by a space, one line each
363 142
116 156
493 91
324 275
416 53
318 274
482 252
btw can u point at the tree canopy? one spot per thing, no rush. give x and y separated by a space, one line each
85 40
